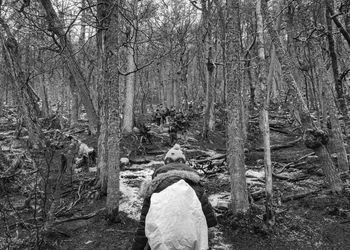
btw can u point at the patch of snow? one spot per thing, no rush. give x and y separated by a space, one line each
131 203
255 174
77 170
223 177
124 161
93 170
152 164
5 148
216 199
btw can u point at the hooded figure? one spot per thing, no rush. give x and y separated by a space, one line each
163 177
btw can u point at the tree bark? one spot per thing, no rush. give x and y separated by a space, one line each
111 80
103 97
209 119
337 81
235 143
128 117
264 120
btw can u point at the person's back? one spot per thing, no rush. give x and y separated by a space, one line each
172 132
166 176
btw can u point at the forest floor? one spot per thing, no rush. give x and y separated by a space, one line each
308 216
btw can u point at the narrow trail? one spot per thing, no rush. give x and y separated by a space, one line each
131 202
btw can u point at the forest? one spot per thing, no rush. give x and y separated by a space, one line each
95 93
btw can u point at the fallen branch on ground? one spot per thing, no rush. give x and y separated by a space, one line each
280 146
82 217
215 157
295 163
299 196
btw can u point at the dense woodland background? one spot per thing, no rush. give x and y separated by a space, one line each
109 63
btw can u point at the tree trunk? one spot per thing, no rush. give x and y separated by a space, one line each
112 84
235 143
102 148
264 120
75 101
56 26
209 118
337 80
128 117
336 143
208 123
44 98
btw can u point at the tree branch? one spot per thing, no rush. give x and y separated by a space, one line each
341 28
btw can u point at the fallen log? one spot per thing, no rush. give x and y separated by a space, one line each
215 157
82 217
299 196
279 130
280 146
285 178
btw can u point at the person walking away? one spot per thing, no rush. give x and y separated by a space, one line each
176 212
158 117
173 132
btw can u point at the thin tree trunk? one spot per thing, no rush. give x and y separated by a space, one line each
45 99
75 101
264 120
209 119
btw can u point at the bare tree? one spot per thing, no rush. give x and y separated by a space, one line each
235 142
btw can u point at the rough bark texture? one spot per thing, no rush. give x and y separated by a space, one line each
55 26
336 143
264 120
112 83
235 144
104 21
128 117
207 46
337 80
